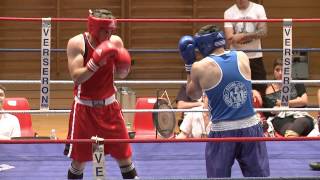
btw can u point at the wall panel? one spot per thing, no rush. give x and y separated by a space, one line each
157 66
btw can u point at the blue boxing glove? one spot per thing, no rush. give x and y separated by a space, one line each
187 51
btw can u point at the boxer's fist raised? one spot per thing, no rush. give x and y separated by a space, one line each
123 62
102 53
187 51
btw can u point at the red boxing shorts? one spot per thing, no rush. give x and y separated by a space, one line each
105 122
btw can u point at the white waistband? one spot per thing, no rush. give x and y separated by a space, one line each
235 124
94 103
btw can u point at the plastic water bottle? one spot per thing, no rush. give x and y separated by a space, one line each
53 134
128 126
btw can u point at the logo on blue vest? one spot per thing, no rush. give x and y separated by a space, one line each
235 94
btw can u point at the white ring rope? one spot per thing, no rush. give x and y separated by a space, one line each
154 82
158 110
287 37
151 81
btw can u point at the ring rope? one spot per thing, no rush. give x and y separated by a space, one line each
244 139
54 111
172 140
164 20
150 81
161 50
171 20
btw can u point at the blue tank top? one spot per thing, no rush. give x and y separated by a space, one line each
231 98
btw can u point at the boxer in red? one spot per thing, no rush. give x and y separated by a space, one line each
94 57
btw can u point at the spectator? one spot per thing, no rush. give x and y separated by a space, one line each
318 95
196 124
291 123
316 165
183 101
257 103
9 124
247 35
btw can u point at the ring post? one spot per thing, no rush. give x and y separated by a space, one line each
98 158
45 63
286 62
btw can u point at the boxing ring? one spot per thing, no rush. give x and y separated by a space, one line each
154 158
153 161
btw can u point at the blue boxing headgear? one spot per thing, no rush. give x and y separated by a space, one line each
206 43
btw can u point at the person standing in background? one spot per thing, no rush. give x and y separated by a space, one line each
247 35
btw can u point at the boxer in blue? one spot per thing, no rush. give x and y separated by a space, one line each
225 77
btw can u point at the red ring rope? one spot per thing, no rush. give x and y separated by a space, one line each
229 139
164 20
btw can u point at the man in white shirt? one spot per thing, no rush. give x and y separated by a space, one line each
196 124
183 101
9 124
247 35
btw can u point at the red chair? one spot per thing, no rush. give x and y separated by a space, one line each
143 121
24 118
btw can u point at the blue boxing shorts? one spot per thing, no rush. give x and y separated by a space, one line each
252 156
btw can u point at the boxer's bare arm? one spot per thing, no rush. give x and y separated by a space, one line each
244 64
194 90
78 72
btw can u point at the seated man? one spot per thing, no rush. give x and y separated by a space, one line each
318 95
316 165
9 124
183 101
196 124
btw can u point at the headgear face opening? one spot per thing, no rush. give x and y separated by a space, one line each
95 25
206 43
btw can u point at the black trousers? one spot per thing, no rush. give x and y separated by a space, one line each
258 72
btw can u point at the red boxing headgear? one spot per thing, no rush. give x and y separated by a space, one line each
96 24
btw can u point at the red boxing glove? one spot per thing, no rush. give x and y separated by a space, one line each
106 50
123 61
